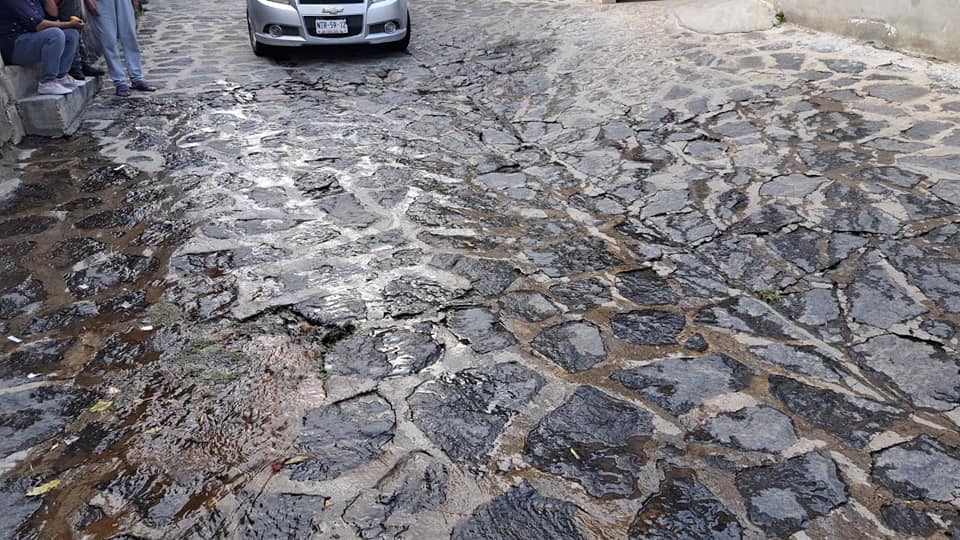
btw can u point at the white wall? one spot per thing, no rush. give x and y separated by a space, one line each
925 26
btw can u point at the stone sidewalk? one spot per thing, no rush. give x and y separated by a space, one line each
564 271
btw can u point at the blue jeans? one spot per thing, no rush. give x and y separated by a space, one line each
116 25
52 48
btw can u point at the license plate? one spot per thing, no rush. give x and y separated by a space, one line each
332 26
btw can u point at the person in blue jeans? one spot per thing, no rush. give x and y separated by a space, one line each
116 25
28 37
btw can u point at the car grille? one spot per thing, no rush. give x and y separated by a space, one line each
354 26
307 2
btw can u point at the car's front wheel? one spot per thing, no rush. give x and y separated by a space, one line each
259 49
404 43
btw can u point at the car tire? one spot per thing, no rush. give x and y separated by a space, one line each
259 49
401 46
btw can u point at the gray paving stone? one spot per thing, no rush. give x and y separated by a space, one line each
805 359
795 186
897 93
852 419
416 483
935 273
876 299
681 384
575 345
745 314
343 435
648 327
521 513
582 295
907 469
684 508
784 497
925 374
753 429
645 287
529 306
455 411
572 257
907 520
948 190
480 328
391 353
606 460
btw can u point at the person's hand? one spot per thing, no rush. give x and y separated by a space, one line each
92 8
76 22
136 5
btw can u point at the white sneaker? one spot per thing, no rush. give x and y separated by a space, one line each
53 88
67 81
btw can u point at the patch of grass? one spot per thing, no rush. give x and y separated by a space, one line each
203 350
771 297
219 377
164 313
781 17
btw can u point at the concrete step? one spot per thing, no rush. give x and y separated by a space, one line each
23 80
55 116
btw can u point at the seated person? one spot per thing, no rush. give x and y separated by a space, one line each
27 37
67 10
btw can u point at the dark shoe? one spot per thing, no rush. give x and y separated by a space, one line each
123 90
143 86
91 71
77 74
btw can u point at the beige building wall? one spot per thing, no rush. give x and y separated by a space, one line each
925 26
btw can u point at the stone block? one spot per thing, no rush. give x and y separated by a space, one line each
56 116
22 80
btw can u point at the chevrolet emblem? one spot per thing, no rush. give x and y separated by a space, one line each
333 10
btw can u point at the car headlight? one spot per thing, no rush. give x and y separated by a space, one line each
375 1
287 2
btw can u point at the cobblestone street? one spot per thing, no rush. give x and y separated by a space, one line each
563 271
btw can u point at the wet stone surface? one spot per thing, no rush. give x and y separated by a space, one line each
853 420
905 469
465 413
344 435
754 429
607 461
684 508
680 384
521 512
489 287
648 327
575 346
783 497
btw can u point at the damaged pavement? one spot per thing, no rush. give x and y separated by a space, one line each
574 273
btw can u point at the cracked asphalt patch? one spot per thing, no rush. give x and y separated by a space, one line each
575 273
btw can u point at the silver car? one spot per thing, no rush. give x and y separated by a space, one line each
294 23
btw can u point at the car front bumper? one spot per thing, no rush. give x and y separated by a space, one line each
296 22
